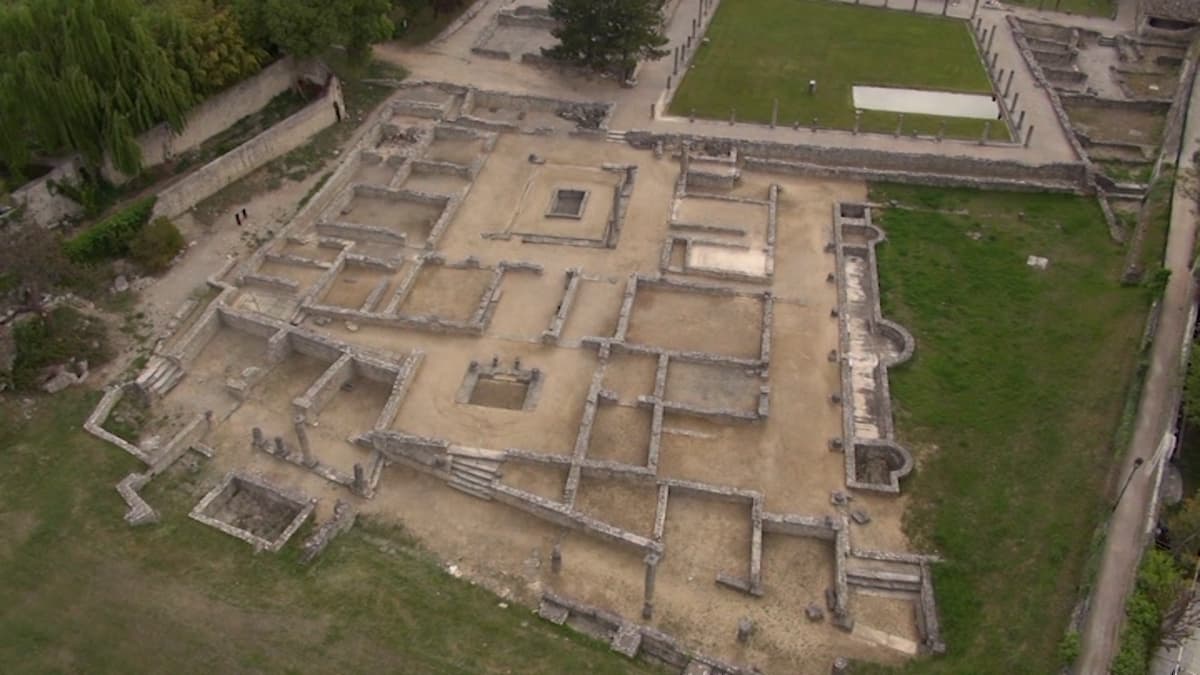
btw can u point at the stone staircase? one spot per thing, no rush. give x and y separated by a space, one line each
160 376
615 136
884 575
475 471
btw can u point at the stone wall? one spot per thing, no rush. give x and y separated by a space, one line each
220 112
278 140
46 208
883 165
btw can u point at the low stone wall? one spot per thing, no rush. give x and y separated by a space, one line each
634 640
279 139
870 164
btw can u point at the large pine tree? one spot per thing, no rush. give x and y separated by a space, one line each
607 35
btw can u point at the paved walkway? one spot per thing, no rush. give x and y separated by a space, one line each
1132 520
450 59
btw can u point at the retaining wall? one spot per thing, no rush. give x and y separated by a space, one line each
218 113
278 140
872 164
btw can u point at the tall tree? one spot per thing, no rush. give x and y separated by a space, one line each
310 27
83 75
205 40
607 35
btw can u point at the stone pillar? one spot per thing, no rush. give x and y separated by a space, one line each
1021 120
991 38
1016 97
692 115
745 628
648 594
257 441
941 131
774 112
974 10
1008 84
841 666
899 123
360 481
1028 135
556 559
814 124
302 437
732 116
987 129
857 121
995 55
652 105
675 68
945 6
914 7
280 448
685 157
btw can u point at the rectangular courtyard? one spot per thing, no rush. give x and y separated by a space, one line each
761 50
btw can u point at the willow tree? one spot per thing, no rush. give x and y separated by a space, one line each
84 76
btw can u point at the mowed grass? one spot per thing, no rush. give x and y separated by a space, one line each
760 50
1011 404
80 591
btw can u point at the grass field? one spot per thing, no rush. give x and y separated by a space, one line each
1011 403
760 50
82 592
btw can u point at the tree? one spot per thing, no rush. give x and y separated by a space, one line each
206 42
367 23
607 35
310 27
83 75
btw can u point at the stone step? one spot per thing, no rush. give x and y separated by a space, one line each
470 488
168 383
485 485
473 473
490 467
886 581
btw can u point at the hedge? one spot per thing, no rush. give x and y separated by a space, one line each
111 237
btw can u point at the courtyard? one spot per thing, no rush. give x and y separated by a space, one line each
756 51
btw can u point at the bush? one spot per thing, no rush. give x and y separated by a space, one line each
111 237
156 245
1158 585
57 337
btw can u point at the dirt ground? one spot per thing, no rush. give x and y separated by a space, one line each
785 457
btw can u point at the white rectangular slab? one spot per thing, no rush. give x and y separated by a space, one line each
925 102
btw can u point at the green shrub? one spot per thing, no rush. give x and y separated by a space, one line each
156 245
57 337
1158 585
111 237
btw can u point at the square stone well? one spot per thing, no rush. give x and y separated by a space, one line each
246 506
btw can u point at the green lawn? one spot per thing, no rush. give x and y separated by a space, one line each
760 50
1012 404
82 592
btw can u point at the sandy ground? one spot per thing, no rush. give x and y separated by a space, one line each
785 457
